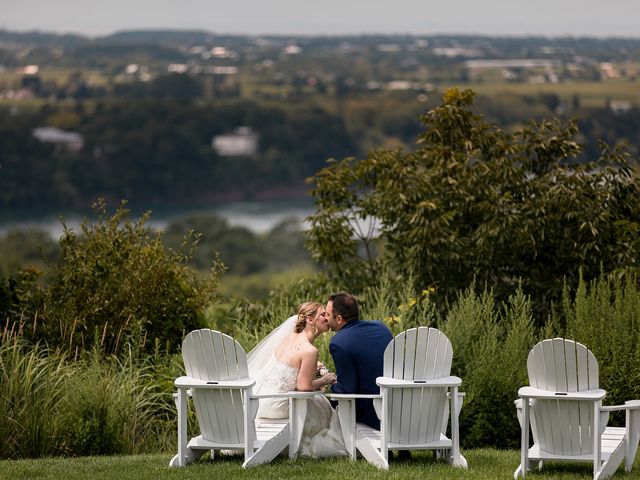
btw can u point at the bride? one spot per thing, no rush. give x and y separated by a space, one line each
287 360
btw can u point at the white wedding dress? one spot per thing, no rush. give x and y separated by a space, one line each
321 433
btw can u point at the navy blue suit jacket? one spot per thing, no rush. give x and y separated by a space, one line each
357 350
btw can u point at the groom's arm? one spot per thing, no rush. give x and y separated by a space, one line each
345 371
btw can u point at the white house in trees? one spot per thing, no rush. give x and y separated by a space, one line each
242 142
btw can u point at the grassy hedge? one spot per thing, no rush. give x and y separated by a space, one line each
55 403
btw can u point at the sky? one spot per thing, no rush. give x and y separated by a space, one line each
598 18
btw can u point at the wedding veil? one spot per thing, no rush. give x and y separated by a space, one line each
258 357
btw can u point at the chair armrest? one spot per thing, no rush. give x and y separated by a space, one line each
190 382
290 394
460 394
586 395
438 382
629 405
351 396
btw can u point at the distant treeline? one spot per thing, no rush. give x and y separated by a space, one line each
159 152
163 44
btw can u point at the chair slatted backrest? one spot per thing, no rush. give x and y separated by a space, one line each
415 415
213 356
563 427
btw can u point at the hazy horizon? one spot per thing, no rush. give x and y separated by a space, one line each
587 18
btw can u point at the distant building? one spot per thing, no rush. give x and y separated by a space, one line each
243 142
178 68
513 63
620 106
70 140
29 70
134 70
292 49
608 70
452 52
399 85
223 52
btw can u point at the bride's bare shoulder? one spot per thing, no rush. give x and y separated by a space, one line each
295 347
309 351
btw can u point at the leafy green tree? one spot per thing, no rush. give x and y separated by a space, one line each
116 283
476 202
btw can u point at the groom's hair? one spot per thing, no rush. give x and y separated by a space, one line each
346 305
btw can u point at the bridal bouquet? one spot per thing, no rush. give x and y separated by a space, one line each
321 370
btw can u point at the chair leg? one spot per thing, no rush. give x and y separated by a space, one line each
370 453
461 462
633 432
457 460
347 416
183 457
270 449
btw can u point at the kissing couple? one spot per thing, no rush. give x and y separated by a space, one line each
287 360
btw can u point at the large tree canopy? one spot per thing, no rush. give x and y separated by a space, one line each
475 202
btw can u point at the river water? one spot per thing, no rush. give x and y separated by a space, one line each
259 217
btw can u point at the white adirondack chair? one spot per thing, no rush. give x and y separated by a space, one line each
217 380
413 406
563 405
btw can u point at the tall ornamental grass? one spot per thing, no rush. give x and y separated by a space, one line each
51 404
32 386
113 405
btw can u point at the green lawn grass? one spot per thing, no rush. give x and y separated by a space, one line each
484 464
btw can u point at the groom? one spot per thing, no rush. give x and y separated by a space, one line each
357 349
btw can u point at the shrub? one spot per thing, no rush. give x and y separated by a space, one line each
490 347
116 283
605 316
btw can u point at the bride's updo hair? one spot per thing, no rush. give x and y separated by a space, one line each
306 309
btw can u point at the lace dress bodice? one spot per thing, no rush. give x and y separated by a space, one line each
275 377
